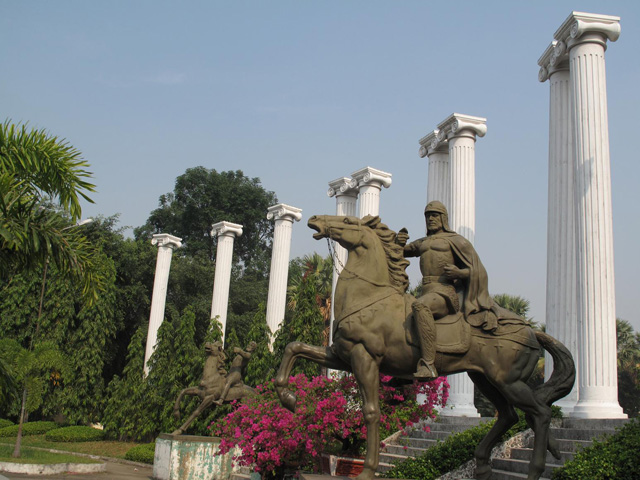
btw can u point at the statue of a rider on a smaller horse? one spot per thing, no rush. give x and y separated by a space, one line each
217 386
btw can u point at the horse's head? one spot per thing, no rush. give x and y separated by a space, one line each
348 231
213 348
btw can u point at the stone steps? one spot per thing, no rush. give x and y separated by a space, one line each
573 435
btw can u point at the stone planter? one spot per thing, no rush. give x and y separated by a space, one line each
187 457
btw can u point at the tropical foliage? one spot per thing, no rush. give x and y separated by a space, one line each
628 368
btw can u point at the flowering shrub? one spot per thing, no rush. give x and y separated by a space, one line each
328 419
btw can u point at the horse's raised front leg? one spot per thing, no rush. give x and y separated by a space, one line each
507 417
324 356
186 391
206 402
367 375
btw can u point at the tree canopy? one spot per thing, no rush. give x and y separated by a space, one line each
202 197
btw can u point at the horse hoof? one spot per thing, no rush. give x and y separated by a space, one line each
483 472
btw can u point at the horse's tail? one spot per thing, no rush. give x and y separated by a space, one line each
564 370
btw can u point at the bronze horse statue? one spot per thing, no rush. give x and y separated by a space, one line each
214 387
373 334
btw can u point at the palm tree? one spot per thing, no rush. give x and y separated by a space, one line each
42 180
628 367
517 304
318 270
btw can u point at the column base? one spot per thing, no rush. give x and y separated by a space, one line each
567 406
597 410
459 411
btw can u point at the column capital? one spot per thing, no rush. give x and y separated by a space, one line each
226 228
582 27
432 142
554 59
166 240
457 124
372 176
343 186
282 211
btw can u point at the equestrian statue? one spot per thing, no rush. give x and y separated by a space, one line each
454 326
217 386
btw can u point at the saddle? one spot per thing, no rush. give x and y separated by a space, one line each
453 333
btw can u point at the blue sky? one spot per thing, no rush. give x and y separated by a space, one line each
299 93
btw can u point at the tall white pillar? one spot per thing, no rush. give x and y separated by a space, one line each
461 131
561 319
226 233
284 216
370 182
166 243
586 35
345 190
434 145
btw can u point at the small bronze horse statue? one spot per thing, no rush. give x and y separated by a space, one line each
216 386
373 334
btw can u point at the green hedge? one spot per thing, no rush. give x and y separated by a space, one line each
5 423
615 458
76 433
142 453
29 428
442 457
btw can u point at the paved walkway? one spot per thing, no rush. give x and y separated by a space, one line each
115 471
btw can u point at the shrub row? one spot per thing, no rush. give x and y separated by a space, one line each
142 453
76 433
5 423
29 428
617 457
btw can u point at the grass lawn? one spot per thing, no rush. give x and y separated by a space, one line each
28 455
104 448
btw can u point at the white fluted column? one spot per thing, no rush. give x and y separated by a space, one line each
561 319
461 131
434 145
586 35
345 190
226 233
284 216
370 182
166 243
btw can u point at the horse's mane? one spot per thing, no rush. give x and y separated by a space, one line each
396 262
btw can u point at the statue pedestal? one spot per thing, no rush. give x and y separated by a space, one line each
189 457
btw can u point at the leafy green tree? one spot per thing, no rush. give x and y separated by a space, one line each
81 332
628 368
515 303
202 197
263 364
305 323
36 170
139 408
7 385
33 368
318 270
